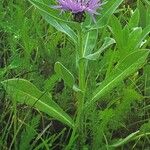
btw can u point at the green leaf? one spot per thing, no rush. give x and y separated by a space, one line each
146 74
145 32
53 19
125 140
133 40
60 26
108 9
108 41
46 8
148 15
125 38
124 68
65 74
134 21
116 29
24 91
90 41
142 10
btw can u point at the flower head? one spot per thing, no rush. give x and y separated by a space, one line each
80 6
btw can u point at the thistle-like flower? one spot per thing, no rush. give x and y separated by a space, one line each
79 7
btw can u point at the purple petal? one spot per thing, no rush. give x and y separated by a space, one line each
76 6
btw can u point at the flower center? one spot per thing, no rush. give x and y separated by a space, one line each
79 16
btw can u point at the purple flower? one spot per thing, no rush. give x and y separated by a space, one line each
78 6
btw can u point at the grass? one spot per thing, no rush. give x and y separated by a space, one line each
117 118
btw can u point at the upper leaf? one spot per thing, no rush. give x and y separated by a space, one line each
108 41
53 19
108 9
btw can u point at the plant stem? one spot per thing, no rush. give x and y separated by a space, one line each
81 95
78 129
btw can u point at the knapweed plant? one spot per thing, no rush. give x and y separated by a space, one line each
93 29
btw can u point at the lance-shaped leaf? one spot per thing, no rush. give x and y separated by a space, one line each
65 74
125 68
116 29
108 41
24 91
108 9
53 19
134 21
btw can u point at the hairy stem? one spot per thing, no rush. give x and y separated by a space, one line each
78 129
81 74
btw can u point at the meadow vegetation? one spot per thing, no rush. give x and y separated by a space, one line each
74 86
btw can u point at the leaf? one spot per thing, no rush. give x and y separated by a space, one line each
124 68
60 26
51 17
51 82
108 9
126 41
145 32
65 74
148 15
90 41
134 21
133 40
116 29
125 140
108 41
125 38
146 74
47 9
24 91
142 10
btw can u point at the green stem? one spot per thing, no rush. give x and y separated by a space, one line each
78 129
81 74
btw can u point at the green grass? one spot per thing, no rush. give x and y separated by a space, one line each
44 111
